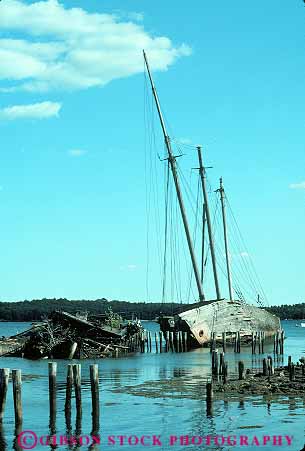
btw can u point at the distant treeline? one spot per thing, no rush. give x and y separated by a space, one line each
36 309
295 311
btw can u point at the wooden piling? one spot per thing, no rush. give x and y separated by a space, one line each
209 398
180 341
241 370
156 342
238 342
171 341
221 363
292 372
17 387
78 391
4 377
69 387
263 341
185 341
277 342
253 343
52 366
213 342
167 341
271 368
282 341
259 342
265 367
224 342
160 336
225 372
94 381
215 362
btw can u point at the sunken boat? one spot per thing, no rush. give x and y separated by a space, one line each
210 319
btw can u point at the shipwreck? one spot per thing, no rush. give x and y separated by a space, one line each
66 336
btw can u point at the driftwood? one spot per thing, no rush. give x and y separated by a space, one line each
63 335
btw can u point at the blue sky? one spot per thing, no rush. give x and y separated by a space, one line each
72 164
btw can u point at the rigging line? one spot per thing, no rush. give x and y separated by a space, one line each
176 258
244 267
154 183
222 257
187 190
165 235
147 190
178 253
239 262
195 226
243 242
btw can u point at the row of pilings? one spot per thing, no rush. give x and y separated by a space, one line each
257 342
179 341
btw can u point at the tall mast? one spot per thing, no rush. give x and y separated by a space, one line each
222 198
202 241
208 218
172 162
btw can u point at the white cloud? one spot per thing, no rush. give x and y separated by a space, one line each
77 152
300 185
69 48
41 110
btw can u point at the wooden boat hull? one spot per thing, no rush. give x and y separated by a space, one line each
230 317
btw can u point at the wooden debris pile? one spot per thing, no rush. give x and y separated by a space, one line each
66 336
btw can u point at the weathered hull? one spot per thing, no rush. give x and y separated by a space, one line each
230 317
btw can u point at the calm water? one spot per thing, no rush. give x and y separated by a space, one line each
161 394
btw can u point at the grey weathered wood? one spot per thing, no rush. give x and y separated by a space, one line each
263 341
224 223
209 398
259 342
171 341
172 163
52 366
69 387
185 341
78 391
271 368
156 342
282 341
241 370
94 381
221 363
72 351
225 372
292 372
265 367
252 343
215 362
4 377
17 388
224 338
149 337
160 336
